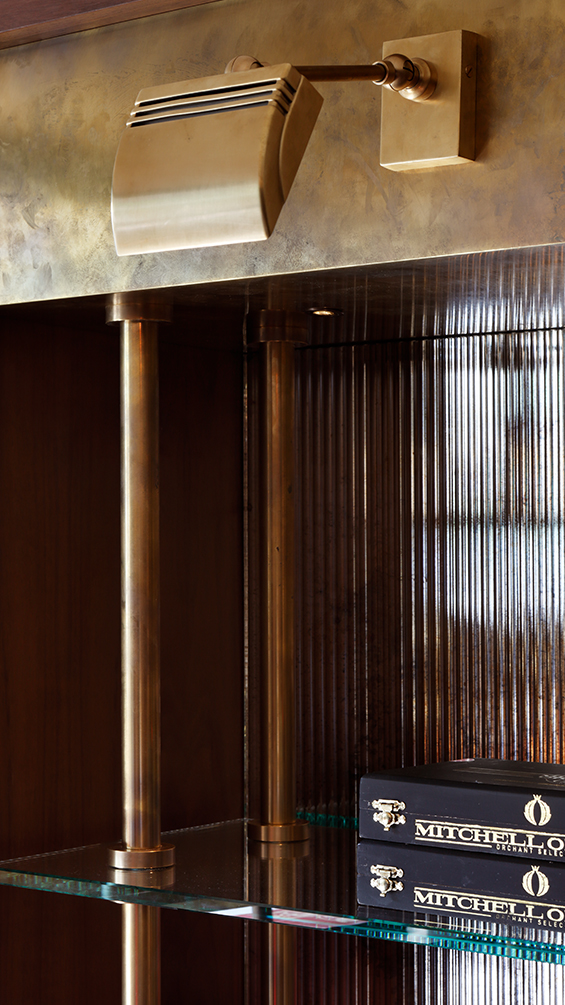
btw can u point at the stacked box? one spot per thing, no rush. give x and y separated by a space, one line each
474 839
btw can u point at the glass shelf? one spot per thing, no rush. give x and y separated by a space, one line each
218 871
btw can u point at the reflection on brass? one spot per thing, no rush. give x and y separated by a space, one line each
277 850
210 161
295 831
278 326
149 879
132 859
134 307
414 79
141 955
276 333
441 131
141 739
141 936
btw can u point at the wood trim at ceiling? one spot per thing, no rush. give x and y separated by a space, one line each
24 21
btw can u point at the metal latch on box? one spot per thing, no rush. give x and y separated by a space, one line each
387 879
388 812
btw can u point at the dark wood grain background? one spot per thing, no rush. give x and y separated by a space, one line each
60 637
30 20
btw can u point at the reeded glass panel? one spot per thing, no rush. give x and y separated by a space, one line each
431 564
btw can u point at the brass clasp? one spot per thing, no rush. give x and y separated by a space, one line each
387 879
388 812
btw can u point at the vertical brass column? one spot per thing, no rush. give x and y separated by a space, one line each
280 972
276 333
141 729
141 955
141 938
273 878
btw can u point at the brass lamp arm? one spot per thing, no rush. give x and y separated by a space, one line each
377 72
415 79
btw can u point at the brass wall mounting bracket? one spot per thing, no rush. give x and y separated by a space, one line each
441 132
412 136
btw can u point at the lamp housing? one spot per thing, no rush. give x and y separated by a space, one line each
210 161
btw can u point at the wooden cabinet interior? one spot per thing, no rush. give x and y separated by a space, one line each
414 449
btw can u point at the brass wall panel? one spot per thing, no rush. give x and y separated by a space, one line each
492 292
65 101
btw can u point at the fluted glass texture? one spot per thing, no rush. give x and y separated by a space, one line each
430 586
431 594
453 978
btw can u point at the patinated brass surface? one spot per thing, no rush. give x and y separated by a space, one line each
65 103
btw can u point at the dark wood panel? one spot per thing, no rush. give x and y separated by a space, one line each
201 584
59 589
31 20
202 959
56 948
65 950
60 639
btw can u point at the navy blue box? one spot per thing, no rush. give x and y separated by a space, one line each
506 808
465 886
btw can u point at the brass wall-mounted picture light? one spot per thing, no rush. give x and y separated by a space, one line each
211 161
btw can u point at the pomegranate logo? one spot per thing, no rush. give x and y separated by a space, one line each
539 806
540 879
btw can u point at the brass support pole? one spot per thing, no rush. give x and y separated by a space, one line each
281 965
281 939
274 869
277 332
141 938
141 955
141 726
